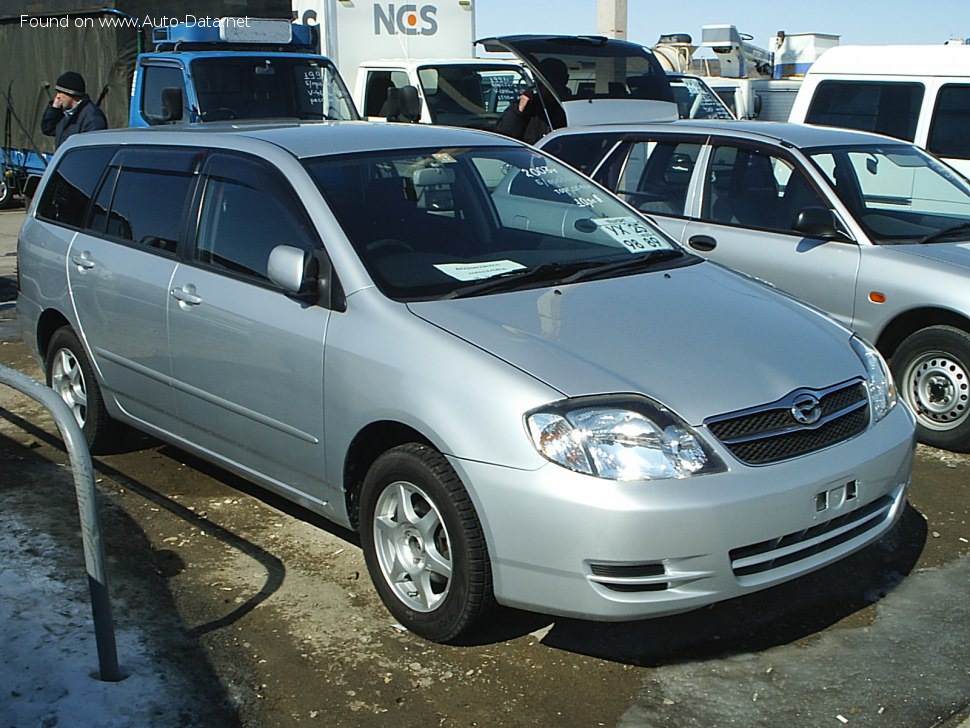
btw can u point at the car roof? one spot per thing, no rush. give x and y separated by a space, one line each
303 139
798 135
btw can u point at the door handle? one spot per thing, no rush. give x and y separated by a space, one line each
83 261
703 243
187 295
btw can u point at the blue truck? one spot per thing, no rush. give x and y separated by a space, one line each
145 70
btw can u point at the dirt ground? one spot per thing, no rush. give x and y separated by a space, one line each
265 615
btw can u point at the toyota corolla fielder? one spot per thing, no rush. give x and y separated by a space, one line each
514 386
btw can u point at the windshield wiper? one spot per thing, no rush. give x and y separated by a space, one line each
517 278
638 262
940 235
563 273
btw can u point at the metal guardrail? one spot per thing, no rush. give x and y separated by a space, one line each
77 450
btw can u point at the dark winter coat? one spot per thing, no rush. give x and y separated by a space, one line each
60 125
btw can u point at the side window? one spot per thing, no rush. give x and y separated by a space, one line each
656 175
248 208
752 188
66 197
582 151
150 194
102 203
948 134
884 107
378 84
728 96
163 94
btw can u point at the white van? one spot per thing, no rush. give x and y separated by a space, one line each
918 93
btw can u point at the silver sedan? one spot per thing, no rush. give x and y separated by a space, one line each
870 229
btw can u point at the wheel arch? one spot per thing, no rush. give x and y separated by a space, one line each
909 322
369 444
49 321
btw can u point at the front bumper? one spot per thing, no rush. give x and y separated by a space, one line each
568 544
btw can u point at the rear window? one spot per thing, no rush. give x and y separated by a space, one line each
948 135
594 68
883 107
65 199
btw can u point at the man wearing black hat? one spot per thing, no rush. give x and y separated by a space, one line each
71 111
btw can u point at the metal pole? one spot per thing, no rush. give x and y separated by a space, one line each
611 18
80 456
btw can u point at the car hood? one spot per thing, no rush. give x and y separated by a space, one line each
699 339
957 254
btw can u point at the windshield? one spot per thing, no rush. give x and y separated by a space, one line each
270 87
470 95
898 193
696 100
432 223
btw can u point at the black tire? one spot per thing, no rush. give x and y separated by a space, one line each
932 372
6 194
69 373
437 528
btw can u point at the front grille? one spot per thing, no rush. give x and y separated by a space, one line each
766 555
770 433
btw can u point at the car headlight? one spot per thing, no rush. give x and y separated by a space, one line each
619 438
879 380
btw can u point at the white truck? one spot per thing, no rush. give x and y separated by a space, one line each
753 82
919 93
358 31
380 47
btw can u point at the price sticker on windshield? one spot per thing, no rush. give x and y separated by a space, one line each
631 233
479 271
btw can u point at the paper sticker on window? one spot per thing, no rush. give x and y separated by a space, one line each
631 234
478 271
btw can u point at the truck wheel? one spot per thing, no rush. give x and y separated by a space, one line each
423 544
6 194
932 371
69 373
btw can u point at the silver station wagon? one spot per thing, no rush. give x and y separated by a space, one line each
516 388
872 230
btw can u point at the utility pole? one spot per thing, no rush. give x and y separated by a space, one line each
611 18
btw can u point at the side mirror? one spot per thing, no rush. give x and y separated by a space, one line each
818 222
306 276
290 269
757 105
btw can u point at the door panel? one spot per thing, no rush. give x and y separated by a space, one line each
750 199
120 272
121 294
248 371
247 359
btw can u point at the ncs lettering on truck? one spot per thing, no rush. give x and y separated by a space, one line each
405 19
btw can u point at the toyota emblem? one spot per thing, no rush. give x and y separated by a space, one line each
806 409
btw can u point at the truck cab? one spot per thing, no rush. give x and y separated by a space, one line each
258 69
